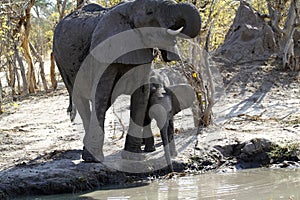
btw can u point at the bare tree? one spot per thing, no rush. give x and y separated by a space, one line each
41 61
52 72
11 76
1 95
61 7
26 22
22 68
81 3
195 71
290 60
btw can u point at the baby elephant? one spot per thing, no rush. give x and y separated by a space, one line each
164 103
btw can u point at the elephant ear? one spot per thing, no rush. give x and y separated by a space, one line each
108 30
171 54
183 96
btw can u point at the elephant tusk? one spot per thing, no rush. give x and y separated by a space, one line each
175 32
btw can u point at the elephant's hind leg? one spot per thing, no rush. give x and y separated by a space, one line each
83 106
94 137
93 141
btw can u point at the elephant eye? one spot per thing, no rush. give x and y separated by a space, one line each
150 12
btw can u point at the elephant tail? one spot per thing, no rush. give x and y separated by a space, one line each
73 113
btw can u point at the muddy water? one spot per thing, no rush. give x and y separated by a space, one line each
246 185
249 184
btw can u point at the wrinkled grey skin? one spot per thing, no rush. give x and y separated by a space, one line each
168 96
81 31
93 8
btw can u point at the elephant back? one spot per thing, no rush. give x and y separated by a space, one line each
72 39
92 7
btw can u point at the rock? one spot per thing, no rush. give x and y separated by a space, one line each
226 150
255 146
248 154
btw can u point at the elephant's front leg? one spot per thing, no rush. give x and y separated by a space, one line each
134 138
148 137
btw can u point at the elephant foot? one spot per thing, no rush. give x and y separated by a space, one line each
149 149
88 157
127 155
149 144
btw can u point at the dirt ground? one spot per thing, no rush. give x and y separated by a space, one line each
40 148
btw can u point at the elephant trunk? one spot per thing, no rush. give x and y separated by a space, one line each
190 15
184 15
166 144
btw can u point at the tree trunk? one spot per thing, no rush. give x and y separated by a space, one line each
22 69
61 7
25 45
79 4
52 72
290 60
275 15
18 81
1 94
42 71
17 76
11 78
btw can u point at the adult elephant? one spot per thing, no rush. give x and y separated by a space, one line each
79 35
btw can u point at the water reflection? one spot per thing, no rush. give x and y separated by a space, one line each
265 184
246 185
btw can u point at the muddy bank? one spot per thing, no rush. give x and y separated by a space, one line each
257 124
63 172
